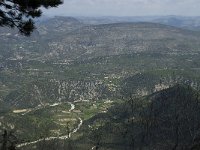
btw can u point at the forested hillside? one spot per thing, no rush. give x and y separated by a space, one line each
102 86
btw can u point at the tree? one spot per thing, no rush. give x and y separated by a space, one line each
20 13
8 141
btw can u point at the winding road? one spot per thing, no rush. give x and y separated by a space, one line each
59 137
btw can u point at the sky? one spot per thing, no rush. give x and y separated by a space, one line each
126 8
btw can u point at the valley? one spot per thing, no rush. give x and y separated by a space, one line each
71 83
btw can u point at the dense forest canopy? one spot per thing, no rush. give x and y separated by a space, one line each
20 13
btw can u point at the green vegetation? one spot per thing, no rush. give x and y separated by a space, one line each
84 83
163 120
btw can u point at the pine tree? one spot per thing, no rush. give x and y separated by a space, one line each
20 13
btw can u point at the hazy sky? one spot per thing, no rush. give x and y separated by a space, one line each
126 8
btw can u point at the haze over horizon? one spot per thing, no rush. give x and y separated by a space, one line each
126 8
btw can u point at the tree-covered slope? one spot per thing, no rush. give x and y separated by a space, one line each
168 119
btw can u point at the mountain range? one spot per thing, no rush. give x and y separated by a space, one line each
74 76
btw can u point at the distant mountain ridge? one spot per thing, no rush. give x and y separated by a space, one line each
186 22
66 38
64 49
